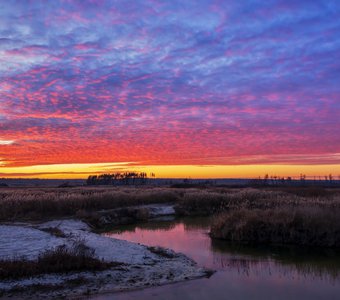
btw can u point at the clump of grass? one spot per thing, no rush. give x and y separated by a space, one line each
201 202
59 260
161 252
302 226
54 231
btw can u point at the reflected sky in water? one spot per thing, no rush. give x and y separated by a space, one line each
243 272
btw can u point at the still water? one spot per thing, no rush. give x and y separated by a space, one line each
243 272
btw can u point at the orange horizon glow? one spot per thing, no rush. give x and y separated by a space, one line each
82 171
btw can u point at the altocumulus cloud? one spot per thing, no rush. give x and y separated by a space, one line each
169 82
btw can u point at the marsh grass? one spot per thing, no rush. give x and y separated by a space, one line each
161 252
207 202
40 203
308 192
285 215
45 203
309 226
59 260
57 232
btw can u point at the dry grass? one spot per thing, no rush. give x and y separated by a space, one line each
285 215
161 252
216 200
38 203
59 260
316 226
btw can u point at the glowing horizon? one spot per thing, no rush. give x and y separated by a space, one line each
82 171
183 88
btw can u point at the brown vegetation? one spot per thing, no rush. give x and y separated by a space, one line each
301 215
216 200
58 260
316 226
162 252
38 203
57 232
104 219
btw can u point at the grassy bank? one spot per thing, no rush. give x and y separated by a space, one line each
310 226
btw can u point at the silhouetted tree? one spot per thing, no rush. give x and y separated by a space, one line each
126 178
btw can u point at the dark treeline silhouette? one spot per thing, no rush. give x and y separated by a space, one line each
126 178
327 180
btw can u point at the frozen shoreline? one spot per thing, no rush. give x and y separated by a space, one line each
143 266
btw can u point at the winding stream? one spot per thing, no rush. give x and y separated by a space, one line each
243 272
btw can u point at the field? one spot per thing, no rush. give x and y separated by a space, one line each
287 215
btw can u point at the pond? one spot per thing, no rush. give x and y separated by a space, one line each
243 272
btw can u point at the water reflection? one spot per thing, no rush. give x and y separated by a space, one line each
287 260
190 236
250 272
189 224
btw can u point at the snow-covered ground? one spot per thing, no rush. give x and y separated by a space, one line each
143 266
24 241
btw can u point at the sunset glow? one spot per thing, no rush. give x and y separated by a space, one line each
172 171
200 89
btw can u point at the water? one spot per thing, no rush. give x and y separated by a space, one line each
243 272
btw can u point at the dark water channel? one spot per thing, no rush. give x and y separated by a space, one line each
243 272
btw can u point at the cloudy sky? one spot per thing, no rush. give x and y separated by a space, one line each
146 83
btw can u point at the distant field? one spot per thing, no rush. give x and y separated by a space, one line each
228 182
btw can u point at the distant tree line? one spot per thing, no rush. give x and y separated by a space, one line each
301 180
126 178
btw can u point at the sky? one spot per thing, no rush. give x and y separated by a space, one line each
203 88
